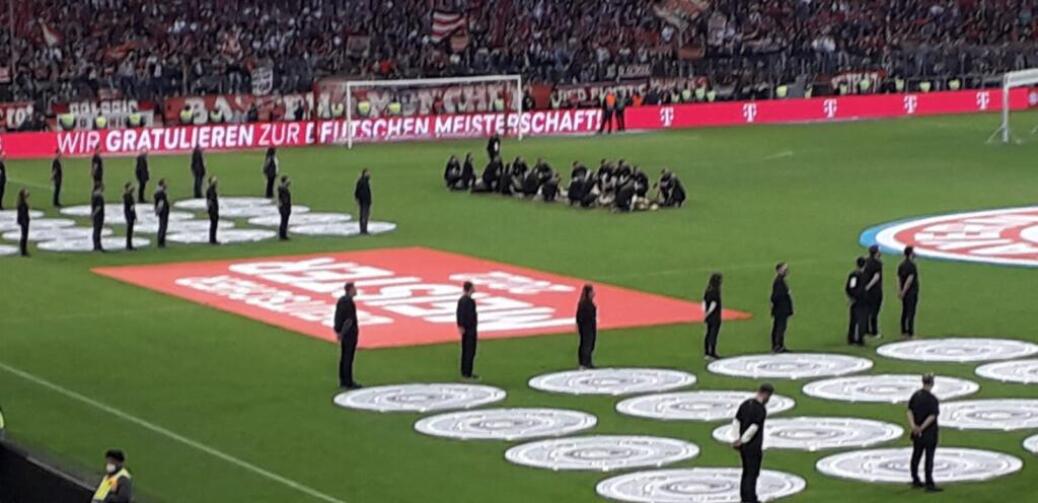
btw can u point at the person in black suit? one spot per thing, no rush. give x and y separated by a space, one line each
270 171
468 173
97 168
212 206
57 175
162 211
129 213
908 291
362 193
467 320
3 180
873 290
672 191
97 214
197 171
143 175
781 308
493 147
712 311
749 440
855 291
452 173
347 332
23 221
923 409
587 326
284 207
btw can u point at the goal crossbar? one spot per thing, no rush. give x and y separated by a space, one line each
442 81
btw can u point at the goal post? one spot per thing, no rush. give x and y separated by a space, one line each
512 101
1011 80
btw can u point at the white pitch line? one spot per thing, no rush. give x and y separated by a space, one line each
175 436
779 155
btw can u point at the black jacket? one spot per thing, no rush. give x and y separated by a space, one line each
466 313
284 199
212 202
363 191
197 163
129 208
23 214
346 310
781 301
142 172
57 172
161 203
587 318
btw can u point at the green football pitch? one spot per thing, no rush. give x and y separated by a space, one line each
210 406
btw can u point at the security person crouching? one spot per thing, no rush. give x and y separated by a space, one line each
117 484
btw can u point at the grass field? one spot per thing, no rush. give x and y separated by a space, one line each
262 395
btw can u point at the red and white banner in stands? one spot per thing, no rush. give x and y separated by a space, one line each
235 107
12 115
537 123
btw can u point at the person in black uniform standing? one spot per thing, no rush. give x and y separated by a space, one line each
3 180
143 175
162 211
712 312
129 213
212 206
467 323
749 441
873 290
587 326
284 207
908 291
97 213
494 147
923 409
57 175
781 308
23 221
347 332
197 170
97 168
859 309
621 105
270 171
362 193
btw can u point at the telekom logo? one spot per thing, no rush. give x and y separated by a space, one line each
749 111
829 107
983 100
667 116
911 103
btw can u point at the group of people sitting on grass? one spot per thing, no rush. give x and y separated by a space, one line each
620 185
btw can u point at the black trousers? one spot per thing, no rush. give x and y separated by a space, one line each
923 447
198 185
365 214
283 226
129 232
23 241
859 313
213 220
778 332
3 188
98 225
751 461
141 184
607 123
908 305
468 352
621 124
588 338
163 226
269 191
348 346
710 342
56 201
872 324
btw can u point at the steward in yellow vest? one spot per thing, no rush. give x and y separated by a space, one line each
117 485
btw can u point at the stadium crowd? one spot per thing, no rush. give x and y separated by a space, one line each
144 49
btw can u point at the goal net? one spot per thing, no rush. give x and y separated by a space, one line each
455 107
1010 82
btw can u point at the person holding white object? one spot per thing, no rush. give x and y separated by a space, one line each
748 428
